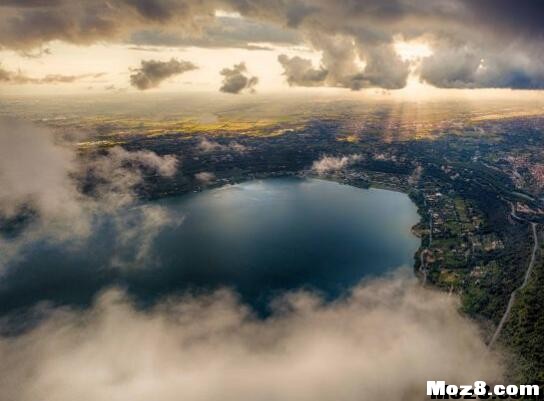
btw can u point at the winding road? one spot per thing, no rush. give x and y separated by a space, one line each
513 295
422 268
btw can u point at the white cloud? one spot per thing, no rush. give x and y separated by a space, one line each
208 146
382 342
331 164
205 177
34 170
40 176
118 174
140 226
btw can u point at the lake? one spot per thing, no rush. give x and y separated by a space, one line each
260 237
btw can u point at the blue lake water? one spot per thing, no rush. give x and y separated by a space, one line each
260 238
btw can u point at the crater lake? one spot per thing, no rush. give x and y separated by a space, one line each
260 238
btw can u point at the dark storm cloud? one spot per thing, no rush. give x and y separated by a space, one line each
235 79
518 18
152 72
221 32
466 67
30 3
155 10
27 24
383 67
20 78
344 31
300 72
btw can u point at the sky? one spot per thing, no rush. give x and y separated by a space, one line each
246 46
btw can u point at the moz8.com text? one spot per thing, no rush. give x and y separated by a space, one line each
480 390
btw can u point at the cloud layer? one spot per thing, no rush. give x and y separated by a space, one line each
300 72
42 180
382 342
220 32
35 171
19 78
498 42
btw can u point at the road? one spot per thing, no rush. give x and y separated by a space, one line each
513 295
422 267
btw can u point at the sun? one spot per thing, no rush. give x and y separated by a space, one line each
412 51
